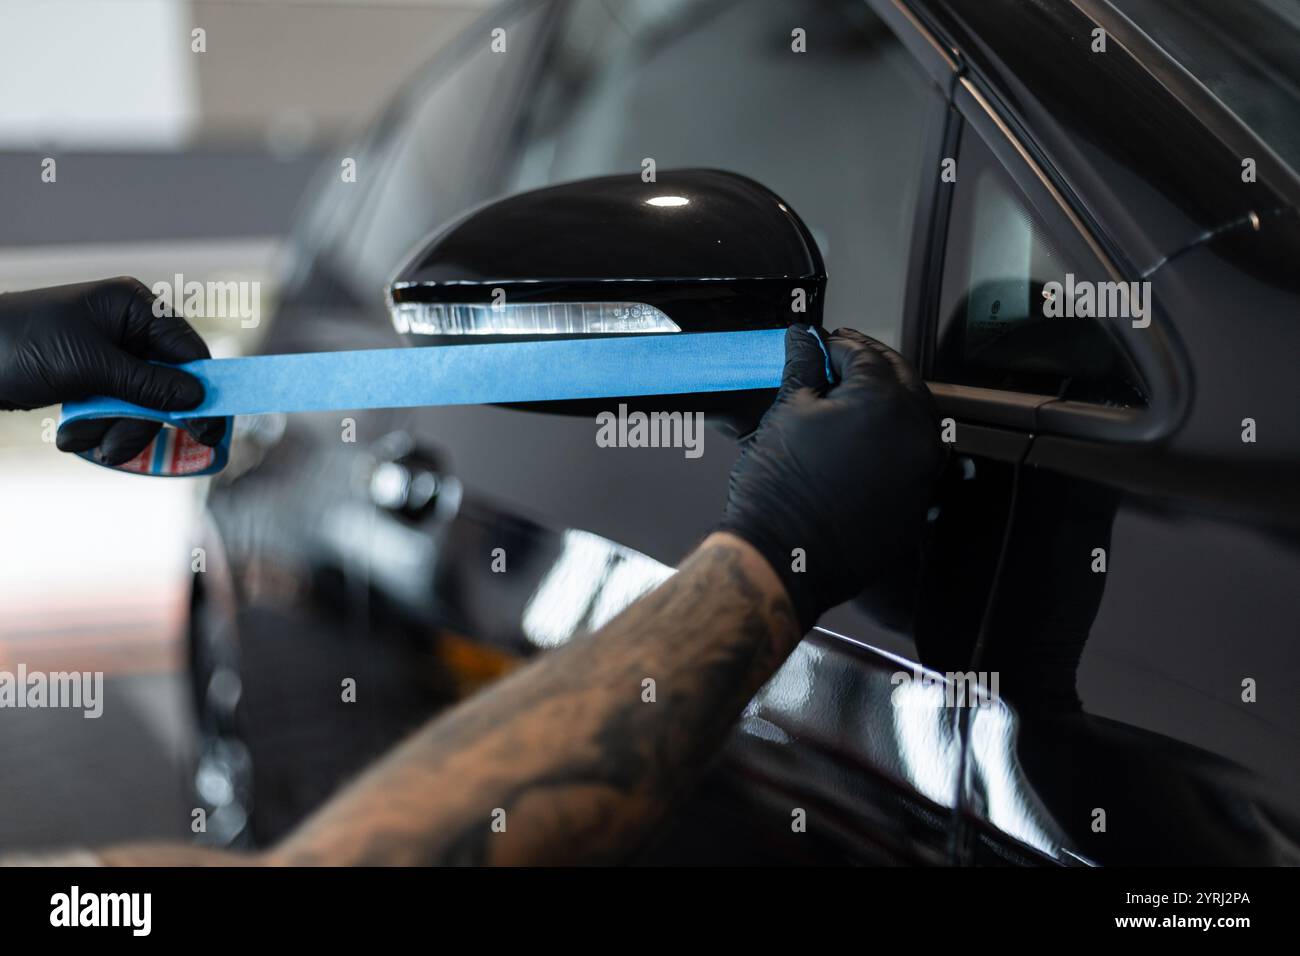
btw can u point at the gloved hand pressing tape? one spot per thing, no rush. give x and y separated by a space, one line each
840 469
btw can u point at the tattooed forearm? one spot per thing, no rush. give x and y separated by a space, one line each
565 754
565 757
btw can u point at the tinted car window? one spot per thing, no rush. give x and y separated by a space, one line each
1012 310
837 131
436 154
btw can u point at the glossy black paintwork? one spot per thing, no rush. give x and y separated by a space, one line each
725 254
1119 690
1122 688
609 228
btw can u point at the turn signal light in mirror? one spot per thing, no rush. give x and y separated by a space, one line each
528 318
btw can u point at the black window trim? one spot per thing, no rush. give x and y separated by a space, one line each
1154 351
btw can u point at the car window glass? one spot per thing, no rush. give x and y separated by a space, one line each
1018 312
436 159
837 131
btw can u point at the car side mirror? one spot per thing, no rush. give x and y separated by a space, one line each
698 250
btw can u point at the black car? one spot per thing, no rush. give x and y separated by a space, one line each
1077 217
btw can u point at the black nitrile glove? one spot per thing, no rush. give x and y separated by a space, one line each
100 338
843 471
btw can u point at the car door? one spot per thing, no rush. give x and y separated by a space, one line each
1132 617
994 357
1149 573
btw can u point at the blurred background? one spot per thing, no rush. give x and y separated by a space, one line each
167 161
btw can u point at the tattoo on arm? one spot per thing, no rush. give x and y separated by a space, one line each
566 748
582 767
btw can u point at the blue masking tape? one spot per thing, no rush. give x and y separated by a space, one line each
445 375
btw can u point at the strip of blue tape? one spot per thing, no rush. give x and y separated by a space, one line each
447 375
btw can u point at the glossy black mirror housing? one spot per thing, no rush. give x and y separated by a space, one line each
712 250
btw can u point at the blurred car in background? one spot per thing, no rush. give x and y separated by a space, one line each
1094 661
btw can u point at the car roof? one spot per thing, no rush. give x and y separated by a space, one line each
1146 152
